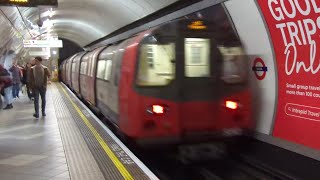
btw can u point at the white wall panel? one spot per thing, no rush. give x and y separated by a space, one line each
252 31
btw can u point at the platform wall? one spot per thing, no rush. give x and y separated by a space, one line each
281 38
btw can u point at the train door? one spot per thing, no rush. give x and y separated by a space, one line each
113 96
91 83
104 82
69 72
212 72
199 64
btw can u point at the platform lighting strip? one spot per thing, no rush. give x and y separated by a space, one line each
19 1
124 172
24 22
12 25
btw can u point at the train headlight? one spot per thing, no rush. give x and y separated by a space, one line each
157 109
232 105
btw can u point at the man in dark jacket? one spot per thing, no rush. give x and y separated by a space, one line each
38 77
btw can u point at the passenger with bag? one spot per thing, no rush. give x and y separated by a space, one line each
6 90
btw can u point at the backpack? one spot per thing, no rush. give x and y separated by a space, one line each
6 78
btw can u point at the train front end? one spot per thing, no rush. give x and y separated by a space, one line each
191 82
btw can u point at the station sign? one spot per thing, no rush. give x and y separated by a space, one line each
29 3
259 66
43 43
39 53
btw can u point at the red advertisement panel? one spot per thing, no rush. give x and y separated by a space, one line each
294 26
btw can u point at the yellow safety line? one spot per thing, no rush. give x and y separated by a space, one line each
124 172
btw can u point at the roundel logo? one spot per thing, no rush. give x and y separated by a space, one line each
260 69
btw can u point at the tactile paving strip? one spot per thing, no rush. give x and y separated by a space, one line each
106 165
81 163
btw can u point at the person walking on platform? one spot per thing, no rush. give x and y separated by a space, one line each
38 80
5 79
26 79
16 79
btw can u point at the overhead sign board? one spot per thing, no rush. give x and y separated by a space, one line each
39 53
197 25
43 43
29 3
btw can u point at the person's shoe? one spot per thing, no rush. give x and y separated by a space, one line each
9 106
35 115
43 114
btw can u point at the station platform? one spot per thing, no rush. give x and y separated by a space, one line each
69 143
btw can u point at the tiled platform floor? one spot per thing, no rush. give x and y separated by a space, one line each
31 148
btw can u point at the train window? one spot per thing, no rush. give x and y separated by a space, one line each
197 54
101 69
73 67
91 73
156 64
83 68
117 59
107 75
117 69
89 65
234 64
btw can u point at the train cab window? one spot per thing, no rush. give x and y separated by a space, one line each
156 64
234 64
197 54
150 54
101 69
107 75
83 68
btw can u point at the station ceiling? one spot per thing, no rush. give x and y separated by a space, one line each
81 21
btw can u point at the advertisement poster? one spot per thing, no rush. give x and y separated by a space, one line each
294 27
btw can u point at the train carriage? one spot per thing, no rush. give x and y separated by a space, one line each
190 77
75 72
87 73
62 71
68 71
175 82
107 79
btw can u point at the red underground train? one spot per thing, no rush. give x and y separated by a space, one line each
180 81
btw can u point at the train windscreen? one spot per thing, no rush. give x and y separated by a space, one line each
196 57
